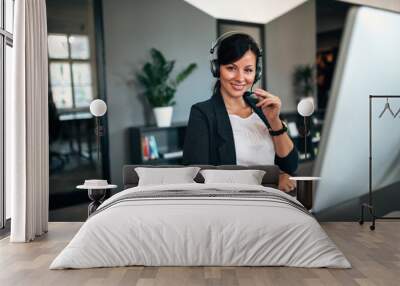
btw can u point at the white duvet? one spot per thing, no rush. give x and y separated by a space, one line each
183 231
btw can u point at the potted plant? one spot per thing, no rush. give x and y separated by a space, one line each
159 88
304 81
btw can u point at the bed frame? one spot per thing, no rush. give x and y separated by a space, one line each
270 179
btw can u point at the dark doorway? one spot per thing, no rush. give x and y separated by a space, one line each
331 18
74 78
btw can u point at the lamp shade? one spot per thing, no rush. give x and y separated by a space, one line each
306 106
98 107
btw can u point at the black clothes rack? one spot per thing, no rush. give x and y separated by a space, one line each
370 205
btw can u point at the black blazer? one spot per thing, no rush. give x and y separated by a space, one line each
209 136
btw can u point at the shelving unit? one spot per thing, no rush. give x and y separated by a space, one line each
168 140
171 139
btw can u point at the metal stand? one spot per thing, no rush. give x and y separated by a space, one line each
305 138
370 205
99 133
97 197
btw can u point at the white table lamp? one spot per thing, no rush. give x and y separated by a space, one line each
305 108
97 188
98 108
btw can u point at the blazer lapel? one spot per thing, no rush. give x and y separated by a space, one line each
225 142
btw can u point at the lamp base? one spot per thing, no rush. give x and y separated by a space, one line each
97 196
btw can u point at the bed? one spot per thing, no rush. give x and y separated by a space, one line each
198 224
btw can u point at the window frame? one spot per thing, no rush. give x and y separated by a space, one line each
6 39
70 62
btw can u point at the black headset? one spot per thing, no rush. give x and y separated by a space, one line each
214 63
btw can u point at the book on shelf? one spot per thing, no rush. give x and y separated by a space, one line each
145 148
172 155
153 148
149 148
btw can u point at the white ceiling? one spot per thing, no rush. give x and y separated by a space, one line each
393 5
255 11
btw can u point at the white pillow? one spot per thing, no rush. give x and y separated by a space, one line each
164 176
248 177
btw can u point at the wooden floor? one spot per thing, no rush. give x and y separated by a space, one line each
375 256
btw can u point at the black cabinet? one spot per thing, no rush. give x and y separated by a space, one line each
157 145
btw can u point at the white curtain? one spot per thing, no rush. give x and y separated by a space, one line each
27 124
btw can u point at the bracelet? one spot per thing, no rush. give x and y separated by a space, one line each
278 132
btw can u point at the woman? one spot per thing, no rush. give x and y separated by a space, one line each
234 128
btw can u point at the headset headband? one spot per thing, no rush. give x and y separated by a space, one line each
222 37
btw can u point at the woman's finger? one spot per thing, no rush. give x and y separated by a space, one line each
261 94
289 186
267 101
264 94
287 189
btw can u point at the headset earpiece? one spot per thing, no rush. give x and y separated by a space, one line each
215 68
214 64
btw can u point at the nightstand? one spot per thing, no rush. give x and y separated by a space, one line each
96 192
305 189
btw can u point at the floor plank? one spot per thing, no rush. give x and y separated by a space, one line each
375 257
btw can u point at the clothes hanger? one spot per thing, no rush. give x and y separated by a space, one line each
387 107
398 111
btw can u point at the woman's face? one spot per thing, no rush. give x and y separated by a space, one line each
238 77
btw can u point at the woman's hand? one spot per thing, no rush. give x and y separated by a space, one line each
285 184
270 105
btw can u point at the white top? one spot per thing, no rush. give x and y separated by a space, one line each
253 144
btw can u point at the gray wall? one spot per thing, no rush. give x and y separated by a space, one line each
290 40
131 28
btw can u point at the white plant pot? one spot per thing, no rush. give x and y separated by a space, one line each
163 115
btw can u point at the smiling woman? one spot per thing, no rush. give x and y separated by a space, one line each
232 127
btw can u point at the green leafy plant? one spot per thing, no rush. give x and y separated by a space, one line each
304 80
160 89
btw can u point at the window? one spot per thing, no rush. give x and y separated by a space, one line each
70 71
6 64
